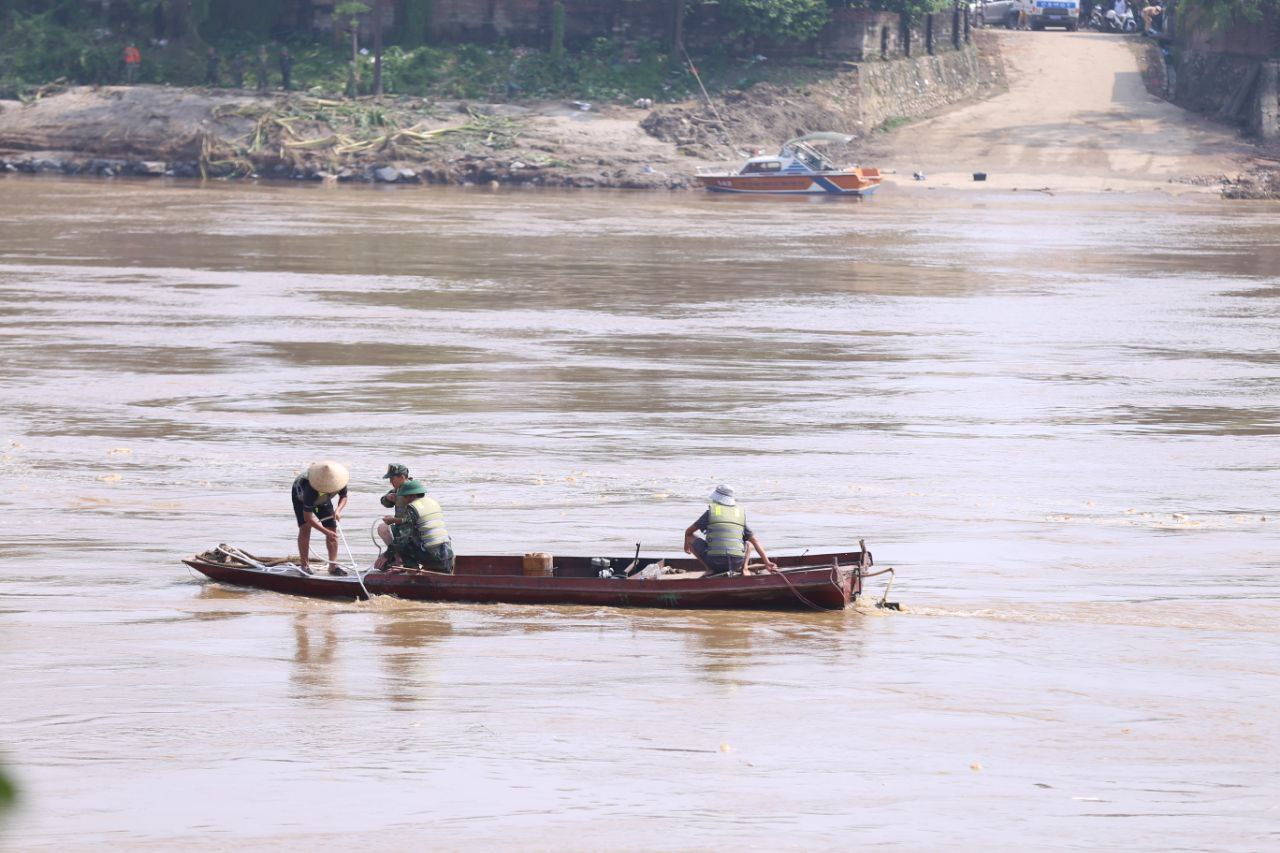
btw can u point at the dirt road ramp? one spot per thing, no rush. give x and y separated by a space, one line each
1076 117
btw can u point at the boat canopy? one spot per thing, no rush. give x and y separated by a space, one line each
822 137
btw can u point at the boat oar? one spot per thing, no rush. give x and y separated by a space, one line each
635 564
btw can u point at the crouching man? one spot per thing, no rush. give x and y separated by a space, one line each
419 535
728 540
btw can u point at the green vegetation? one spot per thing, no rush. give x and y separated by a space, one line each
82 42
1223 14
8 792
912 10
799 19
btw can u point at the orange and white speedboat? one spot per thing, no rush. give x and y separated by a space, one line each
798 169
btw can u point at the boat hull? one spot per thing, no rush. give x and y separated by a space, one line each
488 581
850 183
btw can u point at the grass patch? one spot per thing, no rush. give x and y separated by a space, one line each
894 122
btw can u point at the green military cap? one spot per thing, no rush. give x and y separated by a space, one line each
395 470
411 487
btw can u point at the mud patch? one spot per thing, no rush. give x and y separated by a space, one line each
760 117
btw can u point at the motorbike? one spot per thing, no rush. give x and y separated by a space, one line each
1113 23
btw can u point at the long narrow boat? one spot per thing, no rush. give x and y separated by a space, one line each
805 582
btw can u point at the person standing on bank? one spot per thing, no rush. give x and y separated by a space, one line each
422 538
313 494
286 69
728 541
397 474
260 69
213 63
237 70
132 62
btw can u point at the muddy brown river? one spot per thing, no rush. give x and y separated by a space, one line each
1057 417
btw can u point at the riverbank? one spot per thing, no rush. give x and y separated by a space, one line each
221 133
150 130
1047 111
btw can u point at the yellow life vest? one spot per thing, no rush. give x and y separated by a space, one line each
430 528
726 529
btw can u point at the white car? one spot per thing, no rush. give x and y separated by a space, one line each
1054 13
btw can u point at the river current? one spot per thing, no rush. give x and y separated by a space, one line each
1056 417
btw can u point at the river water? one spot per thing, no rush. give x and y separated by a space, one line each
1055 416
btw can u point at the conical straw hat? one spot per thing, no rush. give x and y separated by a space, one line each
328 476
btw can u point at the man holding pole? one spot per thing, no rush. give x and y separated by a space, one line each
313 508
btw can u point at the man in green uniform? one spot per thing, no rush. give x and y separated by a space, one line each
397 474
727 541
419 536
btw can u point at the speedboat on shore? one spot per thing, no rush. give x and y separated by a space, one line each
798 169
804 582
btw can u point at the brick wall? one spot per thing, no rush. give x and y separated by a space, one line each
861 35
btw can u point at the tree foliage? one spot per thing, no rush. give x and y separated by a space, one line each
779 19
912 10
1224 14
416 15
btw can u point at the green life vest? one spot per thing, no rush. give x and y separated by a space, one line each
430 527
726 527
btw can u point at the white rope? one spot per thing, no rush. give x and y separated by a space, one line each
352 558
278 569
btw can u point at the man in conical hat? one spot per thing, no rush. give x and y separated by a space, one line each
727 541
313 494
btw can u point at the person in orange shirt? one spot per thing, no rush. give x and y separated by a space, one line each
132 61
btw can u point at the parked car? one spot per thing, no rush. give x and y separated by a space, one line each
1054 13
999 13
1040 13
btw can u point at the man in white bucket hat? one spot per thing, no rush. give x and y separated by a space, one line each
727 541
313 494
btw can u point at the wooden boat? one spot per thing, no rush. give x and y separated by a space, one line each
798 169
805 582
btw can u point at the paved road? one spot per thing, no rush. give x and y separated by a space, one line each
1076 117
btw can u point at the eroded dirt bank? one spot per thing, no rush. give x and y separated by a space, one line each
155 130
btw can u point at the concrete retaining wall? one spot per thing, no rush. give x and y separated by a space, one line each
864 35
1227 74
911 87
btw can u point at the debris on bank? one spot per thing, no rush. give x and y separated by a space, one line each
1261 184
149 131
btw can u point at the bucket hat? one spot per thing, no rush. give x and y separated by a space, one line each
411 487
328 476
395 469
723 495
